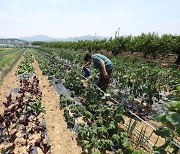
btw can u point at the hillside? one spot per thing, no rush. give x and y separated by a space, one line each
51 39
11 42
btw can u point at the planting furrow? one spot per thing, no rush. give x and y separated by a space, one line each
22 125
61 138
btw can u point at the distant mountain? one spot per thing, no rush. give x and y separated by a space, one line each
12 40
38 38
50 39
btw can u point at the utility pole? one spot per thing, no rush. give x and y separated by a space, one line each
115 33
95 36
118 31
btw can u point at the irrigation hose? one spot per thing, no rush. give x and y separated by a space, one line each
117 103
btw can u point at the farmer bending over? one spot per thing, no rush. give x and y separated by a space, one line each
104 65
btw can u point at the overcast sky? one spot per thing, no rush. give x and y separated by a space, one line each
65 18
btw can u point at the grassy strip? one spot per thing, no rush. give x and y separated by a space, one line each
10 66
5 60
7 52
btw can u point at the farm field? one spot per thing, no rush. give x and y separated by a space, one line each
89 77
47 106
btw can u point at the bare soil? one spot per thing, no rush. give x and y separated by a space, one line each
62 139
0 74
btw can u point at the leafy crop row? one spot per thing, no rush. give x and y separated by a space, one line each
26 66
22 117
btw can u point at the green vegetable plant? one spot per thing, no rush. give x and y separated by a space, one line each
171 126
73 82
36 107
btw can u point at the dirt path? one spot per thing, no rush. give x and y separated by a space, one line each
0 76
62 139
10 81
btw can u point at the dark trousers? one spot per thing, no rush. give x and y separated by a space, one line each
102 82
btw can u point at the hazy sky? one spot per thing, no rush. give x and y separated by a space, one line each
65 18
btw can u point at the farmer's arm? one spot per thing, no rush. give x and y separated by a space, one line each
87 64
105 74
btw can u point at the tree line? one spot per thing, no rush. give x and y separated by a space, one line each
149 44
